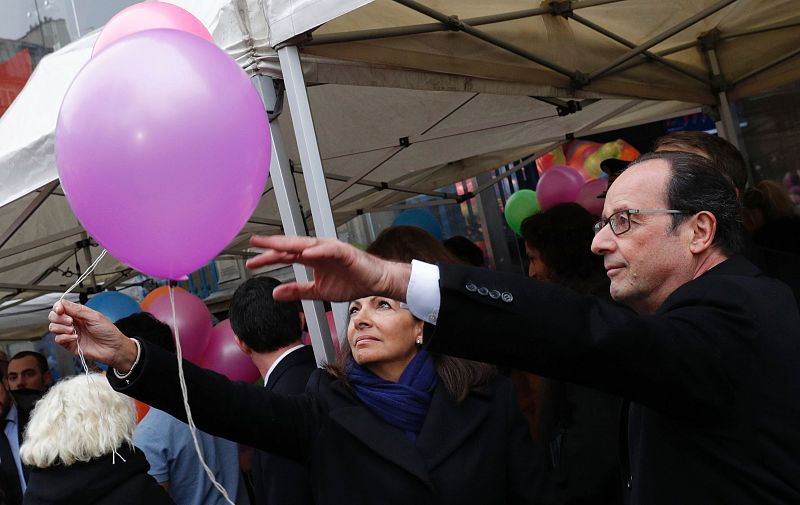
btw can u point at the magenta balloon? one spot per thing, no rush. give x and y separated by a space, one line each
193 321
558 185
587 196
223 355
149 16
163 150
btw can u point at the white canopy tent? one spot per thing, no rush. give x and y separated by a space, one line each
405 100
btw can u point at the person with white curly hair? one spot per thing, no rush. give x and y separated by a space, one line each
79 445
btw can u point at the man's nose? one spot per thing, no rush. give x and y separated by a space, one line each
603 242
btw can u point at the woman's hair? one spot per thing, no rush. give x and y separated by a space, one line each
404 243
79 419
771 198
563 236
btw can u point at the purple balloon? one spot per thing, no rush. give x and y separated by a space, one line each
558 185
163 150
192 319
223 355
588 196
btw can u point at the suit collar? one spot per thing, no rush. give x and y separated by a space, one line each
447 425
736 265
299 355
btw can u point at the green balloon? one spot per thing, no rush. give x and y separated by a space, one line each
520 206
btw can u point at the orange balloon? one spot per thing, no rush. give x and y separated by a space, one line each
155 294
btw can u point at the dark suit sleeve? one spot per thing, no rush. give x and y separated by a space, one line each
244 413
685 356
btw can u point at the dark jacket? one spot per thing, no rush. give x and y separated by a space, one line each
477 451
278 480
713 375
100 481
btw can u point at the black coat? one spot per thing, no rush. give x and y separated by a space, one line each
477 451
714 375
101 481
278 480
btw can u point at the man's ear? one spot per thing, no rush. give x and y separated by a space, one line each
302 316
244 347
48 378
704 229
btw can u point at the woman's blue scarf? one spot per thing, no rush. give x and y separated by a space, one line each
403 404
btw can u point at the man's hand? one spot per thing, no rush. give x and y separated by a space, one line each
100 340
341 272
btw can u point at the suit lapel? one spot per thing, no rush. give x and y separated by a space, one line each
385 440
449 424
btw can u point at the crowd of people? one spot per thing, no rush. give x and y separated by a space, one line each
649 358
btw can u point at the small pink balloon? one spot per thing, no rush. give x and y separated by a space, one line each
587 196
193 322
559 184
147 16
223 355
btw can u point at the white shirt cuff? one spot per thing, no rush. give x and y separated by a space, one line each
423 296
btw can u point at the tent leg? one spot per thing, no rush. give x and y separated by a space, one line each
309 155
292 218
726 126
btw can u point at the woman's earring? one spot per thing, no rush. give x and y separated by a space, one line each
419 339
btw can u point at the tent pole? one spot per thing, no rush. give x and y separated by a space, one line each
308 148
37 202
292 218
727 130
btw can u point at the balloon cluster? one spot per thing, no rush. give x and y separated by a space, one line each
569 173
162 144
212 347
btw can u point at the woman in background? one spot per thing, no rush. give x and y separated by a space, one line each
79 445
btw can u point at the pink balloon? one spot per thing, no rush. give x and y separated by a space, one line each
193 322
587 196
147 16
223 355
163 149
560 184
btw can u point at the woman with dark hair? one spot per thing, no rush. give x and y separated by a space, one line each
388 424
580 425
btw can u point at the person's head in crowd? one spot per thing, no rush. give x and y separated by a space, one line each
382 334
667 217
724 155
29 370
465 250
612 167
3 363
404 243
146 327
81 418
764 203
5 398
558 245
261 324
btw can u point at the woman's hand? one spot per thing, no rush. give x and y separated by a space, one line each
341 271
100 340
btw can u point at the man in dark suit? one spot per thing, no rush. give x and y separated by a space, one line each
269 332
14 414
707 356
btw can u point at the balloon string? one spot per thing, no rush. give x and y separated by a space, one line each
83 276
189 419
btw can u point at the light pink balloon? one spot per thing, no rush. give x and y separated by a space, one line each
587 196
193 322
559 184
223 355
147 16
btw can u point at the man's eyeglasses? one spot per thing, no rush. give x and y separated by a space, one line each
620 221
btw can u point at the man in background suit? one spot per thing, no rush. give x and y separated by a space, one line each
14 413
269 332
707 354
